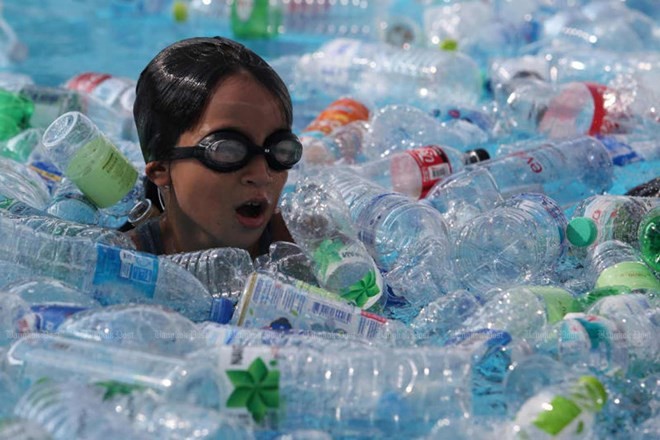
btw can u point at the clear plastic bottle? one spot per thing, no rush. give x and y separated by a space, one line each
385 74
20 429
413 172
400 391
615 263
562 410
109 274
606 217
69 203
19 182
519 241
148 327
288 259
320 223
63 410
20 147
86 156
284 304
566 171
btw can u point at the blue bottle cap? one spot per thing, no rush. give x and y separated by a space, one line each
222 310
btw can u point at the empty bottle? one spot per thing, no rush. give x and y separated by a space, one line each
635 158
390 390
320 223
69 203
385 74
519 241
63 410
20 146
223 271
614 263
20 429
284 304
441 317
563 410
289 260
601 218
19 182
413 172
109 274
566 171
148 327
344 144
91 161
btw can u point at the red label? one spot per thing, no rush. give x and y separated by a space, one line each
433 166
86 82
373 316
600 124
534 165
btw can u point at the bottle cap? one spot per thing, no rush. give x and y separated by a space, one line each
222 310
581 231
476 155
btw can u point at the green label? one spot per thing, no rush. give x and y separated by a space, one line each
256 388
632 274
102 172
255 19
560 413
558 302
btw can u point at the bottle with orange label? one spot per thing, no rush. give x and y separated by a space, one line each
414 172
323 143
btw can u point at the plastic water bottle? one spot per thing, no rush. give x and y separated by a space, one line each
320 223
69 203
284 304
387 223
289 260
385 74
148 327
63 410
635 157
91 161
413 172
441 317
19 182
566 171
608 217
223 271
649 238
47 290
343 145
109 274
389 390
20 429
156 417
567 410
519 241
634 315
63 228
20 147
615 263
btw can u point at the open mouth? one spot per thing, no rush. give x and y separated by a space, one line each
252 209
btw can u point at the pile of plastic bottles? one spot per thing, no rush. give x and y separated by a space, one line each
476 221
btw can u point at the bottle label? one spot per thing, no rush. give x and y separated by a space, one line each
333 255
271 303
48 173
433 166
121 267
600 123
102 172
632 274
86 82
558 415
603 334
49 317
337 114
558 302
621 153
252 378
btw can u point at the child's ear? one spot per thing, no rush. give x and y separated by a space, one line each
159 173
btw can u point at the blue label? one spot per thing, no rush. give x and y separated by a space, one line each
49 317
122 267
621 153
222 310
48 173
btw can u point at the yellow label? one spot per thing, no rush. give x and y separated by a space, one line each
632 274
102 172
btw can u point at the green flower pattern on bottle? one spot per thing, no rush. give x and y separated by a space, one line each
361 291
255 389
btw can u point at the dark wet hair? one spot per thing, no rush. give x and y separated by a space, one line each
173 90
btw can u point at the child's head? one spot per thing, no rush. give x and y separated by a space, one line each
214 122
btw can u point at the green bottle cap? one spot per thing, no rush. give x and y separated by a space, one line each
449 45
581 231
649 240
